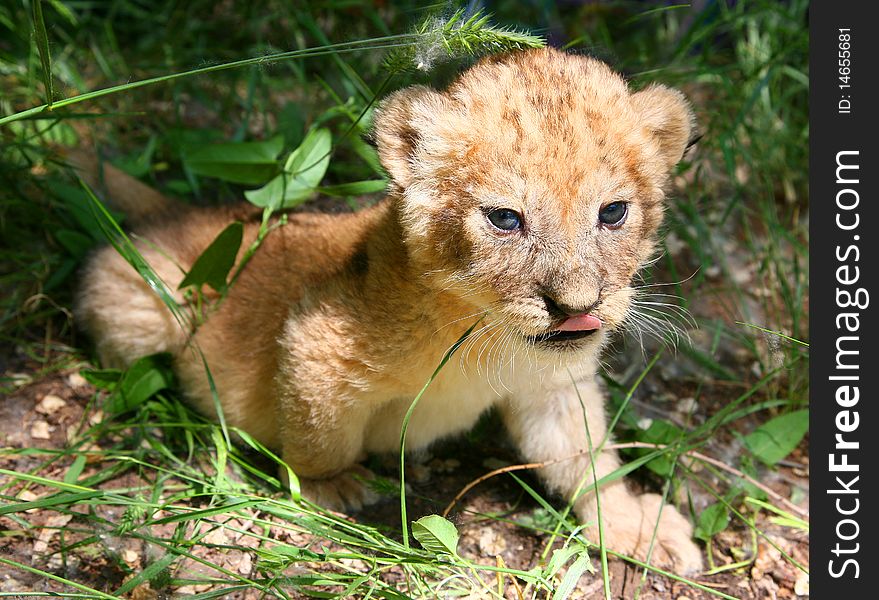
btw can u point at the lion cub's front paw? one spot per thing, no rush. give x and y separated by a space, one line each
344 492
629 526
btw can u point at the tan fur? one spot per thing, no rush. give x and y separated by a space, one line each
338 321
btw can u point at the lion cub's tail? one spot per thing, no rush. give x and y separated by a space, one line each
139 202
124 317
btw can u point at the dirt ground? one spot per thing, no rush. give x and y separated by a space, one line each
44 411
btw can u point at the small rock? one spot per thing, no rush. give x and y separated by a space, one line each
55 562
50 530
491 543
50 404
217 536
28 496
420 473
687 405
645 423
245 565
12 585
743 276
20 379
40 430
801 586
143 592
674 243
75 380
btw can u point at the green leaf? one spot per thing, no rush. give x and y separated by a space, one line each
777 438
712 521
560 557
77 202
303 172
663 433
75 470
572 576
151 571
250 163
291 124
141 381
216 261
138 164
64 11
785 519
368 153
76 243
355 188
104 379
436 534
741 485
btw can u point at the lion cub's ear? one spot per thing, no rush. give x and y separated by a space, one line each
667 114
403 123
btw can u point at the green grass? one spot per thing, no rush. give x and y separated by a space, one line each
155 476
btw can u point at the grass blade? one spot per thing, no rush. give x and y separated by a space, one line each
42 40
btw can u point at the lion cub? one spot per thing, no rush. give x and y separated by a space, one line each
527 195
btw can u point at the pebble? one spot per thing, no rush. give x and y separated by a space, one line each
96 417
20 379
28 496
131 558
245 565
11 585
40 430
491 543
420 473
50 530
76 380
801 586
50 404
687 405
217 537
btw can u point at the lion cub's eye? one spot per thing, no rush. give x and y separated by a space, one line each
614 214
505 219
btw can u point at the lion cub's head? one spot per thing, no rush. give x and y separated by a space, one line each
532 188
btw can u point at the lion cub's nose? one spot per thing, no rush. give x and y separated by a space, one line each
557 308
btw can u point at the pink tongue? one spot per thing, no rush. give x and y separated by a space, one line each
582 322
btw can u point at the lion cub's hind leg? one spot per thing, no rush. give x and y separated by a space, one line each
125 318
